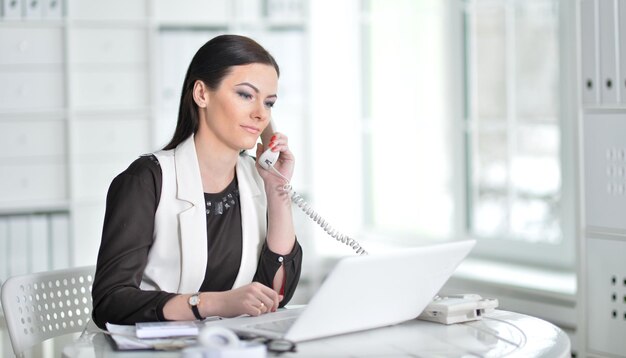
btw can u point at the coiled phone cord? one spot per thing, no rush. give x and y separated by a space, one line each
310 212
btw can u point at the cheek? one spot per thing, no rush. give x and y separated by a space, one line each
231 109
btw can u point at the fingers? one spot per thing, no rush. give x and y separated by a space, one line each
279 142
269 298
262 299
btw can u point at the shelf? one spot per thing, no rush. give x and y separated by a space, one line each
105 111
38 114
192 25
97 23
30 23
24 208
102 65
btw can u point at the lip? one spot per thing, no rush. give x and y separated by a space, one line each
251 129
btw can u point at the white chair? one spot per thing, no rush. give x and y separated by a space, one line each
44 305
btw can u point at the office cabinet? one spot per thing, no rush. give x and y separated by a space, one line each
31 45
175 49
32 105
108 46
103 10
109 106
31 138
605 170
602 245
603 53
92 180
33 243
103 137
607 295
106 89
208 12
37 182
34 90
86 86
86 224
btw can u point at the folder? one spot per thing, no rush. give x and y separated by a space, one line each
32 9
52 9
11 9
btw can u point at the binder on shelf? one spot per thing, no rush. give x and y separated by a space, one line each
60 241
11 9
32 9
39 248
18 245
52 9
622 49
284 10
608 52
248 10
588 49
4 248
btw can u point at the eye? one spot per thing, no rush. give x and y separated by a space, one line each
269 104
244 95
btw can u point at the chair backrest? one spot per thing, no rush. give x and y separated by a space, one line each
44 305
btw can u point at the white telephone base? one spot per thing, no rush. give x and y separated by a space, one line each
458 308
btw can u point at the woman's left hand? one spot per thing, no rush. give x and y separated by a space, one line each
284 165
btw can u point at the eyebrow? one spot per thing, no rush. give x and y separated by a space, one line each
255 89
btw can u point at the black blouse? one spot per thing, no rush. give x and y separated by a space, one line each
127 236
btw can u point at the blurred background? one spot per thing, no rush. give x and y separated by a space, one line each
412 121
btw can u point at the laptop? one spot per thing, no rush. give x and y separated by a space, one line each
363 292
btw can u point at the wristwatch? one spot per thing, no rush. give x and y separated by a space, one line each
194 301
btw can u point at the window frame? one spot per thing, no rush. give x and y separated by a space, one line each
557 256
562 255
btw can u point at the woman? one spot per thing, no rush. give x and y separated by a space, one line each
199 229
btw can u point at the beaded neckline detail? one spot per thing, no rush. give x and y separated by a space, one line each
219 203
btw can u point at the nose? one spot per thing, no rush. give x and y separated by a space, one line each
260 112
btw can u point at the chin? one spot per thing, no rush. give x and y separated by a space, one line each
248 146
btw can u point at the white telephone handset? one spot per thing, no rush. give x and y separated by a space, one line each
267 160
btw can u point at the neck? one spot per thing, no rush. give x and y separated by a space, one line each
217 162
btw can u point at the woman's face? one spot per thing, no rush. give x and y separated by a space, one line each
240 108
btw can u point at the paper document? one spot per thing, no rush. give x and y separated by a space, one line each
166 329
156 335
125 338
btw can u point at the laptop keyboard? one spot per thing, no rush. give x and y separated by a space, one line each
279 326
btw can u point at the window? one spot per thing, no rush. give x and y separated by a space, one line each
407 118
514 126
465 130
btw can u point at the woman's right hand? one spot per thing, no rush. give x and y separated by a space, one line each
252 299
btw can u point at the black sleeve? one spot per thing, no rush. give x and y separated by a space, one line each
270 262
126 240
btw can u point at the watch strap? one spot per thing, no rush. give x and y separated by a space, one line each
196 312
194 308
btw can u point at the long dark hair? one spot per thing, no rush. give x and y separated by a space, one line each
210 65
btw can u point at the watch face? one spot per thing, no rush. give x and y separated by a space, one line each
194 300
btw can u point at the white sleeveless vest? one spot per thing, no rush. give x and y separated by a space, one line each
178 257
